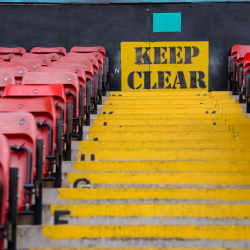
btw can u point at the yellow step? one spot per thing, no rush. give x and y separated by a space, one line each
239 121
191 194
172 136
169 116
216 93
147 231
225 101
160 106
174 128
154 210
140 122
156 94
164 166
167 154
148 111
173 97
160 102
163 178
162 144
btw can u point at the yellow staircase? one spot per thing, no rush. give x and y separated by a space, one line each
166 170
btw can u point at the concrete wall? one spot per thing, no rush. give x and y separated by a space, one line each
222 24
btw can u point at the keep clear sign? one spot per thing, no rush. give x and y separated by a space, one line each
164 66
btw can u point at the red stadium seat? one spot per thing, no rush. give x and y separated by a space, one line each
8 194
91 74
17 51
17 72
79 49
44 61
7 57
77 70
30 66
5 79
51 56
231 65
71 85
246 80
58 93
26 154
49 129
61 51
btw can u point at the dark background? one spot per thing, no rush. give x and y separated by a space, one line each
222 24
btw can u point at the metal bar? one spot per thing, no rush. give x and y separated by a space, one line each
62 112
59 152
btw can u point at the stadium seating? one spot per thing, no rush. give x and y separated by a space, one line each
100 52
30 66
26 154
17 51
61 51
90 73
8 195
17 72
231 66
74 96
83 91
5 79
49 129
44 61
58 93
51 56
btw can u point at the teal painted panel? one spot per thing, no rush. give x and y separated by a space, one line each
117 1
167 22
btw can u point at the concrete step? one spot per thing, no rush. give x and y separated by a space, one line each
207 166
158 122
146 195
157 179
168 136
148 111
150 214
169 116
106 236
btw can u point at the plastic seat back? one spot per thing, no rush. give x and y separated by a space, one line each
7 57
56 91
44 113
5 79
61 51
4 181
51 56
240 58
44 61
17 51
30 66
18 72
21 131
246 67
79 49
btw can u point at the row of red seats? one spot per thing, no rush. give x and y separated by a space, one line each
46 96
239 73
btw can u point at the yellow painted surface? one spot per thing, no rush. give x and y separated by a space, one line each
229 105
174 97
161 128
169 116
157 94
225 101
222 179
171 136
162 144
236 116
215 93
154 210
166 166
138 248
222 194
147 231
161 106
162 111
133 61
221 97
134 101
239 121
141 122
180 121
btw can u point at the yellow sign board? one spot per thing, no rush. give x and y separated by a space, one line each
164 66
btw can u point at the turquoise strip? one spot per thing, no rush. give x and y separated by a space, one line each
118 1
166 22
